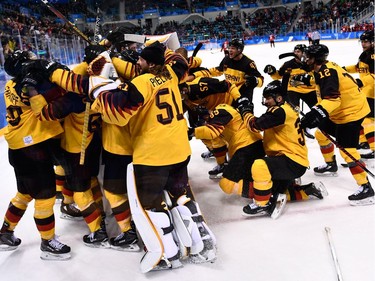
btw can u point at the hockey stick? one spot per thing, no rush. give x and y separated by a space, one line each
333 252
85 128
69 23
197 48
285 55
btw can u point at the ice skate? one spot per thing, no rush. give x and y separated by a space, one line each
217 171
368 156
54 250
329 169
97 239
59 197
278 203
207 155
315 190
255 210
126 241
9 242
70 212
363 196
171 263
363 145
273 208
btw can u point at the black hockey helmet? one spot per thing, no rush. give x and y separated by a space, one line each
319 52
367 36
273 89
14 62
237 43
301 47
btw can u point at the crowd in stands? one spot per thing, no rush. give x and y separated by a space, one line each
15 24
324 16
270 20
223 27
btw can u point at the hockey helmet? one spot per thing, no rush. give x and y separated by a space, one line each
273 89
319 52
14 62
237 43
367 36
301 47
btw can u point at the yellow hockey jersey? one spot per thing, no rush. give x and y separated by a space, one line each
294 67
282 133
226 122
24 127
339 95
365 68
235 70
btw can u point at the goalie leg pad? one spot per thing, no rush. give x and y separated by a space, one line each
145 227
208 253
190 228
164 228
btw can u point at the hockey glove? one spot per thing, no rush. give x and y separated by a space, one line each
251 81
130 56
300 79
244 106
270 69
313 118
202 111
45 67
92 51
32 79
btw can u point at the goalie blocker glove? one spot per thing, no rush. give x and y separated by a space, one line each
313 118
269 69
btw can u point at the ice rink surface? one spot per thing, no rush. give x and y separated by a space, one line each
292 248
